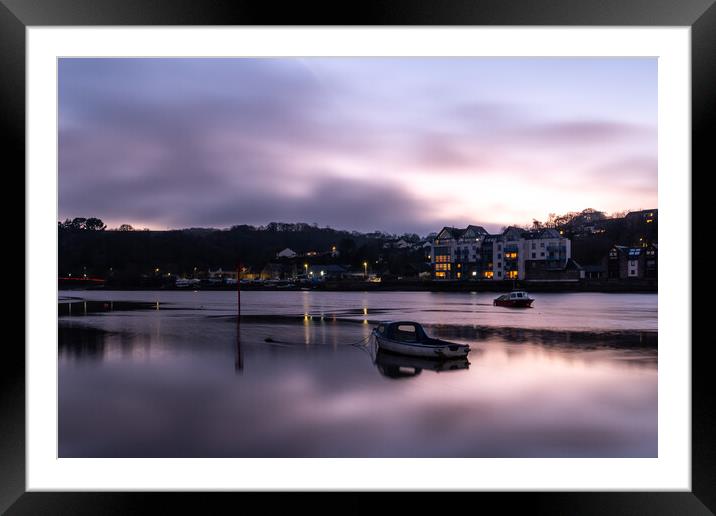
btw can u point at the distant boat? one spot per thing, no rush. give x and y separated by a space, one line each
515 299
409 338
186 282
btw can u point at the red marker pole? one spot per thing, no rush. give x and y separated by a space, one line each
238 290
238 365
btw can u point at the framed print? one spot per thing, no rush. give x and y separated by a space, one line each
419 252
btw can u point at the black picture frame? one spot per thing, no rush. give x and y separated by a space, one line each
16 15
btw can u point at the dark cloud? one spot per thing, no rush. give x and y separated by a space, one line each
642 167
488 117
340 203
583 132
204 153
217 142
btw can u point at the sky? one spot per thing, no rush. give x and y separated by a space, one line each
391 144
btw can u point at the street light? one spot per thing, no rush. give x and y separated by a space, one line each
365 268
305 266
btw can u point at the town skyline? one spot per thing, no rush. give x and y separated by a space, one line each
362 143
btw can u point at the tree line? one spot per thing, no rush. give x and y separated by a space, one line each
87 247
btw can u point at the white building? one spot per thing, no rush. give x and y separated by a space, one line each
286 253
472 253
221 274
397 244
187 282
453 248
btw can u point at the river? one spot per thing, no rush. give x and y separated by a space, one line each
575 376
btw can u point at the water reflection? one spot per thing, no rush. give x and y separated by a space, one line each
574 311
564 338
239 360
81 342
194 383
396 366
146 337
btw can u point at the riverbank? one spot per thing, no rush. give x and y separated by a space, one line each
496 286
610 285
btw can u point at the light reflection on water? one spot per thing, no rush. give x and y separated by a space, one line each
176 383
581 311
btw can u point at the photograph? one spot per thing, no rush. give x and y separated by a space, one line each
409 251
357 257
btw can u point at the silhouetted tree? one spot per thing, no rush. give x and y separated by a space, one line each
95 224
81 223
347 247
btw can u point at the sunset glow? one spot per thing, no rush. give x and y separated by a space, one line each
394 144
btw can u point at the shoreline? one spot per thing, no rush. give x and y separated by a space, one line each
598 286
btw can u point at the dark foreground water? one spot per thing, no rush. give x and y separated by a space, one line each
576 376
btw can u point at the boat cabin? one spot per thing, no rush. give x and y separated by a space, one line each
402 331
514 296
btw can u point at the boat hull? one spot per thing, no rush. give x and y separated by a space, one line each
402 361
514 303
441 350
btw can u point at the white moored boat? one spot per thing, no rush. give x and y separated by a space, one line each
515 299
409 338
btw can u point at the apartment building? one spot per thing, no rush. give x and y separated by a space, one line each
473 253
632 262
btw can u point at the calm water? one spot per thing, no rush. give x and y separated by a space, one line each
575 376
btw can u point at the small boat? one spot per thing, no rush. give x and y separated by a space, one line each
409 338
515 299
